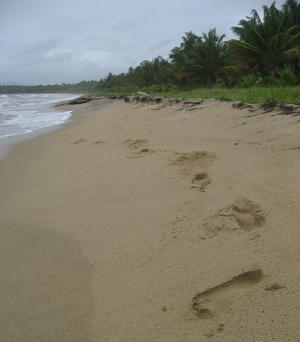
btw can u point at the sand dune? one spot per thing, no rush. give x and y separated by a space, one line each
153 222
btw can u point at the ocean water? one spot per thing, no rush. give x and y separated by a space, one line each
26 113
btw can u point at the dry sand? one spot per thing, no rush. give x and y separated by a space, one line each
134 224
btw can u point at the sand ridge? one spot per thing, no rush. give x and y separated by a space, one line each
147 221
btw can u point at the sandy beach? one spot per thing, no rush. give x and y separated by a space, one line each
145 222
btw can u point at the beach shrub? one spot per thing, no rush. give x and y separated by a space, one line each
287 77
249 81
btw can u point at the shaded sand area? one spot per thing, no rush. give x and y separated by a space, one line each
147 222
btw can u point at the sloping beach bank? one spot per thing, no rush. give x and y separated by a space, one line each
151 222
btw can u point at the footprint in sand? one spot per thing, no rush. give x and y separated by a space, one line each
241 214
192 158
97 143
247 215
137 143
189 162
79 141
138 154
216 300
200 180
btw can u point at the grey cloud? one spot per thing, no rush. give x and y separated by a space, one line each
91 65
162 43
58 56
126 25
62 41
40 46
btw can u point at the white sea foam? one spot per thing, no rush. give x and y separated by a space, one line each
24 113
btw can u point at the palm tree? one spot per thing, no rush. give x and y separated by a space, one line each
292 44
261 40
189 40
179 58
292 10
157 71
208 60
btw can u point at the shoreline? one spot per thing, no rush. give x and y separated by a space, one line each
145 221
8 141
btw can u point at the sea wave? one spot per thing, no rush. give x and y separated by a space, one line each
24 113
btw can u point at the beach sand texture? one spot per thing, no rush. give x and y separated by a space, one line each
135 222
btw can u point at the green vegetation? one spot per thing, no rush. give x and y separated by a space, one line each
248 95
262 63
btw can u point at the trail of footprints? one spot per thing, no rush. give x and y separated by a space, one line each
241 214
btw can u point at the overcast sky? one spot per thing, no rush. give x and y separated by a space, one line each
67 41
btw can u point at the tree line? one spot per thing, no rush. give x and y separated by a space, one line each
265 53
78 88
